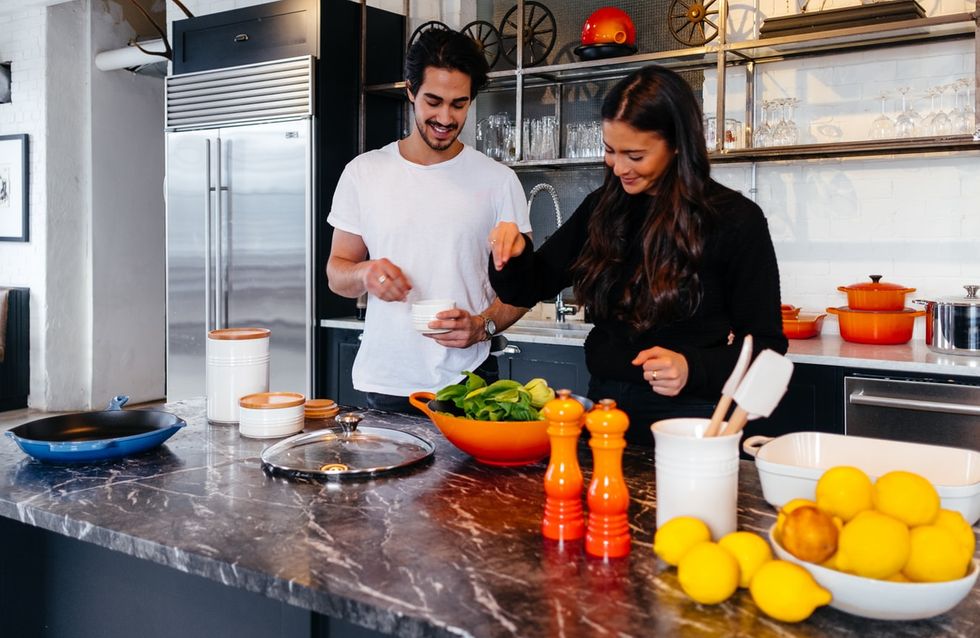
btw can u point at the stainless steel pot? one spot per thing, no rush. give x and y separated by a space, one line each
953 323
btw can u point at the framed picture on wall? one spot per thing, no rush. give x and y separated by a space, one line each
14 198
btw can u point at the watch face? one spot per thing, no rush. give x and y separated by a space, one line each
491 327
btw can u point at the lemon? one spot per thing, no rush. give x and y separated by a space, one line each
786 510
678 535
898 578
907 497
844 491
831 563
787 592
810 534
750 550
957 525
934 556
873 545
708 573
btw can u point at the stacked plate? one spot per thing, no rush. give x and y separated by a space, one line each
425 311
321 409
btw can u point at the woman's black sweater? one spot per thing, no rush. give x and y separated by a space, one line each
740 295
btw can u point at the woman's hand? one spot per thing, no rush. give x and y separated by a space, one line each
665 370
506 241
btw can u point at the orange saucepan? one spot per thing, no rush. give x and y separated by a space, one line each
876 327
875 295
489 442
803 326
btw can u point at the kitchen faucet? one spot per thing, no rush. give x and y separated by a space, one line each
561 309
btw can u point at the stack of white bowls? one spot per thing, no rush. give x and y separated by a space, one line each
268 415
425 311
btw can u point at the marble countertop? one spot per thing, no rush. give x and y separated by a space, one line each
452 548
827 349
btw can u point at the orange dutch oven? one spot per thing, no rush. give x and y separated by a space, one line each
875 295
876 327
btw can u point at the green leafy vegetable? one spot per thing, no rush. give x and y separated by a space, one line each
502 400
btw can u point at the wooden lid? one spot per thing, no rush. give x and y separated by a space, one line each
320 404
271 400
239 333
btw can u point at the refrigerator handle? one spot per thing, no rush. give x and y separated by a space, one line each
208 247
220 272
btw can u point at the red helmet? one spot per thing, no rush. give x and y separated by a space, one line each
609 25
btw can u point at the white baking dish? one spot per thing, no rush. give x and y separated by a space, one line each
790 465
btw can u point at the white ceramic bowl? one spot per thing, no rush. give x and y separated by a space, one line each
426 310
882 599
790 466
269 415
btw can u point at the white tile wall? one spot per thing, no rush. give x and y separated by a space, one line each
22 264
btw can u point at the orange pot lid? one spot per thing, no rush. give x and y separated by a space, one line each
271 400
235 334
847 310
876 285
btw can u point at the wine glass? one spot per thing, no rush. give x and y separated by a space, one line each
959 116
882 128
763 133
904 123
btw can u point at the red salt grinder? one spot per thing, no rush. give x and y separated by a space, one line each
607 534
563 517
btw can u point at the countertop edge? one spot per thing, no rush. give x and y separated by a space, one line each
828 350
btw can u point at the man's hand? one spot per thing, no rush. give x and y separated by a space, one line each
385 280
464 329
665 370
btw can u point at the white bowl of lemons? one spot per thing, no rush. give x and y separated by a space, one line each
883 599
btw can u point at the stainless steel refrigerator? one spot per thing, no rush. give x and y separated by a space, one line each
239 217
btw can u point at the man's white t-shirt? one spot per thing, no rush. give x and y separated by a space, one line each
433 223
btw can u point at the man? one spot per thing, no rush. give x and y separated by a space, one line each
422 208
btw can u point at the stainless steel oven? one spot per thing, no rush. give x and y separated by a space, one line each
933 411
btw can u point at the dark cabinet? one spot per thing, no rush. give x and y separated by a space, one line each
271 31
814 402
561 366
335 381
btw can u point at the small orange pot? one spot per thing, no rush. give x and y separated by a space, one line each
876 327
875 295
803 326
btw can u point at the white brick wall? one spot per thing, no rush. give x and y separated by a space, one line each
22 264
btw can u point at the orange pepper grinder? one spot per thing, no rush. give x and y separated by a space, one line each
608 534
563 515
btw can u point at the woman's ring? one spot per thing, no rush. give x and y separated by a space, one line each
382 279
653 375
493 241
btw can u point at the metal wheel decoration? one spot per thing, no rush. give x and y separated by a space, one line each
690 21
487 39
425 26
540 33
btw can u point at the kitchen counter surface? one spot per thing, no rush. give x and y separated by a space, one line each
451 548
828 350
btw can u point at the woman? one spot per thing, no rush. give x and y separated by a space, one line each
675 268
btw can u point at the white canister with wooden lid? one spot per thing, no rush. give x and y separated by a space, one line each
271 414
237 365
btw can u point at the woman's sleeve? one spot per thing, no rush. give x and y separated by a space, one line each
535 275
751 284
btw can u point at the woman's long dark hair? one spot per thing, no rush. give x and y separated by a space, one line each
675 220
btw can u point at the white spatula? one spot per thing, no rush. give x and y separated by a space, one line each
730 386
761 389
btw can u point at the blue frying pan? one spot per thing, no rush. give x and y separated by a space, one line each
95 436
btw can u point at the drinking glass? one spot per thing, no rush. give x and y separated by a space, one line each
762 135
959 116
786 131
904 123
941 124
882 128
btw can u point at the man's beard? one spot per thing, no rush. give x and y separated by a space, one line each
436 146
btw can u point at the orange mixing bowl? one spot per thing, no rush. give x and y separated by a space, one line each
489 442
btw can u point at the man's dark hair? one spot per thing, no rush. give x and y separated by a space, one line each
445 49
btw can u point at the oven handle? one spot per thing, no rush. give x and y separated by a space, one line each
860 398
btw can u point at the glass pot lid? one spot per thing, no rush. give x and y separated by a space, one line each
348 450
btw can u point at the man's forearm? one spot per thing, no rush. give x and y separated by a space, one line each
503 315
345 278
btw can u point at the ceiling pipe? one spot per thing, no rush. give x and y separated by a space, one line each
131 56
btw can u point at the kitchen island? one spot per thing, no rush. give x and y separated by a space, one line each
449 548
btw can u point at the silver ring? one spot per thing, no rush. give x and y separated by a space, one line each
493 241
382 279
653 375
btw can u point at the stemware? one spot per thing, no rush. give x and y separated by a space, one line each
762 135
904 123
882 128
959 120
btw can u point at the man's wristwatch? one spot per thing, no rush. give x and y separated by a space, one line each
489 327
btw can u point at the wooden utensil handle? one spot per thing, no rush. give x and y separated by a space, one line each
715 425
735 424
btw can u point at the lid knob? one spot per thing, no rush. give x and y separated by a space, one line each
875 278
348 422
971 291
